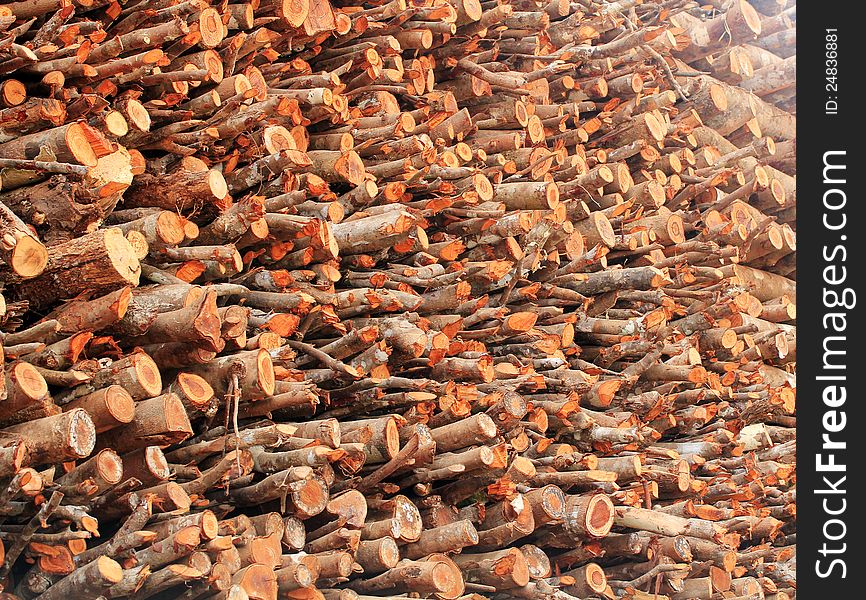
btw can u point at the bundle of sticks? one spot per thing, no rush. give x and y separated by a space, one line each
480 299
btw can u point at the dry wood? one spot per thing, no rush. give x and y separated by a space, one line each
380 300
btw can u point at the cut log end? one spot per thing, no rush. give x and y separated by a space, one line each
595 578
80 435
79 146
749 15
392 438
265 372
169 228
119 404
209 526
109 570
122 256
217 184
12 92
29 257
109 466
676 229
599 515
210 27
29 382
195 389
718 97
312 498
147 374
655 127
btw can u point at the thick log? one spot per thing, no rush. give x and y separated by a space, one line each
99 262
70 435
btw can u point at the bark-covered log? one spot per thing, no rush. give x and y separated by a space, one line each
99 262
324 300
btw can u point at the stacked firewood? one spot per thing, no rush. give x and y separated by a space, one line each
451 298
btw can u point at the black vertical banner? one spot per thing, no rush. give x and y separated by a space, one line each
830 291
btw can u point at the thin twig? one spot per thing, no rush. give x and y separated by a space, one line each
330 362
44 166
667 69
24 537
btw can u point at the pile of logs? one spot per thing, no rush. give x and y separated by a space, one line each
480 299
